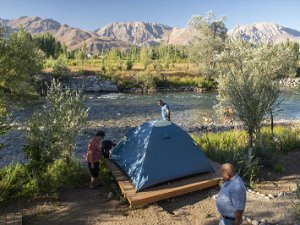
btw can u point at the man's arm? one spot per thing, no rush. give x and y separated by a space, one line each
168 114
238 217
91 156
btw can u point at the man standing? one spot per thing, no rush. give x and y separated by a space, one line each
231 200
165 110
93 156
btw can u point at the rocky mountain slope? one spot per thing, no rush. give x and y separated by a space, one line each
125 34
136 33
265 32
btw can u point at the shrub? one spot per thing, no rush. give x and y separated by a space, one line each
19 181
231 146
59 66
15 183
60 175
51 132
146 80
129 65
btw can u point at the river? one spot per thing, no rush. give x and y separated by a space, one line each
117 113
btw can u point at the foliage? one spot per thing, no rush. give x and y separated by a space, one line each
59 66
145 58
52 131
18 181
247 81
15 183
3 118
231 146
209 34
20 59
146 80
48 44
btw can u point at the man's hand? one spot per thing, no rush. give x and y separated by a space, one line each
238 217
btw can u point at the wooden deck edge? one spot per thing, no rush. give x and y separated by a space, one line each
181 187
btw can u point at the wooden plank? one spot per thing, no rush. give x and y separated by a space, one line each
13 219
163 191
2 220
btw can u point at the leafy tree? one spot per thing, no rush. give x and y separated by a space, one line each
145 57
48 44
19 61
247 81
208 40
52 131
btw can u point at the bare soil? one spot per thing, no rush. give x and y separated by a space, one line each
91 207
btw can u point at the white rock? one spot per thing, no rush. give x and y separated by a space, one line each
255 222
110 195
249 220
271 196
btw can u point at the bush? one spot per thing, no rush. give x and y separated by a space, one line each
146 80
61 175
129 65
51 132
19 181
15 183
59 66
232 147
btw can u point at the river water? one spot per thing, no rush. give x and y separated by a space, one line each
118 113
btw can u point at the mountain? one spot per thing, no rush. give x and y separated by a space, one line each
264 32
136 33
122 35
70 36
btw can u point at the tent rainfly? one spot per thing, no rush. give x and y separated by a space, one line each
156 152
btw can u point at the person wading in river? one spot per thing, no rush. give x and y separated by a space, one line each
93 156
165 110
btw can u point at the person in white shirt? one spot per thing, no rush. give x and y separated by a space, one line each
165 110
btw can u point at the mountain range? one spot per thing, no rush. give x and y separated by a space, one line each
125 34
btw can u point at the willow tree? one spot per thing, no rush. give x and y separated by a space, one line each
248 81
209 34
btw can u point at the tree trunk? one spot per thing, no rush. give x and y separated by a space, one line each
272 125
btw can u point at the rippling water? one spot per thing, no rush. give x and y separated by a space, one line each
187 107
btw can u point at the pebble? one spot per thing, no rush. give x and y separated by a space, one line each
280 194
249 220
255 222
271 196
110 195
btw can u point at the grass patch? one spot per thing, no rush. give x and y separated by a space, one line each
18 181
231 146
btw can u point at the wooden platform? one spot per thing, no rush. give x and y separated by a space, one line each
163 191
11 219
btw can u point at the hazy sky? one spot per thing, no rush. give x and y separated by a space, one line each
92 14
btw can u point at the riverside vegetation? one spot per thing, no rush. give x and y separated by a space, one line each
246 77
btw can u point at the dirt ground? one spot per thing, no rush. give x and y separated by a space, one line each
91 207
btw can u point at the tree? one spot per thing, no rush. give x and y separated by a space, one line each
209 34
247 81
145 57
48 44
52 131
19 61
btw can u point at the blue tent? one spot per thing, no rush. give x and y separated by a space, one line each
156 152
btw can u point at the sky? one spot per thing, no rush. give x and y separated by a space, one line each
93 14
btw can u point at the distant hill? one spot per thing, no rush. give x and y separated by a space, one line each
122 35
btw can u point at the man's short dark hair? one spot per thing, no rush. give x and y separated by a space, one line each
100 133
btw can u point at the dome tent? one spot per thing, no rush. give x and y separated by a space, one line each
156 152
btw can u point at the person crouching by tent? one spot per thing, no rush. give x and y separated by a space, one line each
93 156
165 110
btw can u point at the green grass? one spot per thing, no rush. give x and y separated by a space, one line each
231 146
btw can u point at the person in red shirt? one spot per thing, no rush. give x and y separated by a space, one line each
93 156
